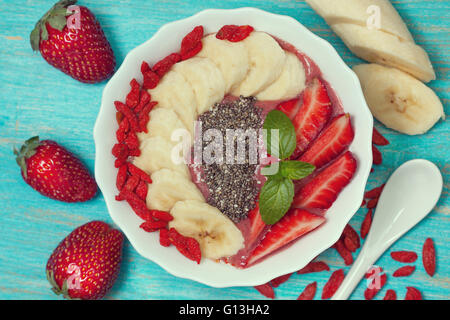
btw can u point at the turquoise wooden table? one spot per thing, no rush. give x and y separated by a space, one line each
39 100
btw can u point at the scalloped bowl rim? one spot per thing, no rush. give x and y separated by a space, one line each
334 70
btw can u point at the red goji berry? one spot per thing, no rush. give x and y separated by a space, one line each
309 292
142 190
121 177
137 204
404 256
129 114
333 284
164 237
161 215
135 152
193 52
145 99
363 203
119 117
413 294
311 267
429 257
131 183
343 252
378 139
135 171
152 226
372 271
374 193
119 162
404 271
365 226
351 238
175 237
266 290
226 32
376 154
164 65
376 285
132 141
372 203
390 295
234 33
279 280
191 40
120 151
195 253
151 80
133 96
145 67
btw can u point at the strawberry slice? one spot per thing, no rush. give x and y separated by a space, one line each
294 224
312 116
290 107
256 225
323 189
331 143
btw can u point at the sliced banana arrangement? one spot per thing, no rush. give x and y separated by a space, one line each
398 100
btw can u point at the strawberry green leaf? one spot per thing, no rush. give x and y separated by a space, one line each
277 122
275 199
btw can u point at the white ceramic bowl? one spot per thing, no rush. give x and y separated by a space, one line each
295 257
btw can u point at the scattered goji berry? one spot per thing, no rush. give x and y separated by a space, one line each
404 256
135 152
195 253
145 67
121 177
191 40
429 257
234 33
135 171
137 204
144 115
378 139
266 290
161 215
376 154
164 237
189 247
374 193
412 294
390 295
309 292
119 162
363 203
333 284
142 190
316 266
376 285
404 271
145 99
351 238
193 52
164 65
119 117
151 80
131 183
129 114
372 203
365 226
343 252
133 96
226 31
279 280
373 270
132 141
120 151
152 226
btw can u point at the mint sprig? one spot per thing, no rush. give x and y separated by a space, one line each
277 193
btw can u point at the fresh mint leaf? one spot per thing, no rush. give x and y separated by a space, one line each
296 170
284 146
275 199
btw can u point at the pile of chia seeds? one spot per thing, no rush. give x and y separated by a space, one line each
232 187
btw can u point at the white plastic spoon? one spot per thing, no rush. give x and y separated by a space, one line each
410 194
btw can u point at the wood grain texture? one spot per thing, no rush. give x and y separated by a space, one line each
37 99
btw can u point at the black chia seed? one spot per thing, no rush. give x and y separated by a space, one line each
232 187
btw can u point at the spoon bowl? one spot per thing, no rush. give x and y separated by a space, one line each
409 195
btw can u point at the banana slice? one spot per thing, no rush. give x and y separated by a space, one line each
356 12
386 49
168 188
290 83
163 122
266 64
175 93
217 235
398 100
206 81
156 154
230 57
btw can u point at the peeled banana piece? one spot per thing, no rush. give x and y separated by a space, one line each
217 235
175 93
359 11
230 57
383 48
398 100
267 59
156 154
205 79
290 83
169 187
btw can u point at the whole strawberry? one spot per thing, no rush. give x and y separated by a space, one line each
55 172
78 48
86 263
